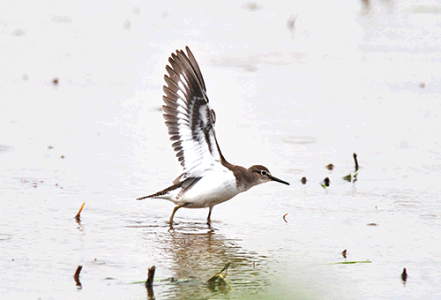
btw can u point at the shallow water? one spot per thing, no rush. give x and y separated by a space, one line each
346 78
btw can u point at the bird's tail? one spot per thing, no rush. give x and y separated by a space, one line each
145 197
163 192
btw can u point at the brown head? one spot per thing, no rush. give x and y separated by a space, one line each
261 175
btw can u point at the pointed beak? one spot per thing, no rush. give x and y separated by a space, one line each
277 179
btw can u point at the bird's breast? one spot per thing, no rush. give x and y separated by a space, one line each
213 188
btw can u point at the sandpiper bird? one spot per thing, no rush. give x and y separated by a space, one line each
207 179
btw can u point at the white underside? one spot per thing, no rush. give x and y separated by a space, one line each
214 187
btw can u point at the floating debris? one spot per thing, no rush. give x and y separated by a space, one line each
77 217
62 157
77 277
326 182
330 167
372 224
55 81
291 23
348 177
252 6
344 253
422 85
350 262
353 177
284 218
404 276
150 277
303 180
218 281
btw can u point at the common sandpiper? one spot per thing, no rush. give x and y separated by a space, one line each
207 179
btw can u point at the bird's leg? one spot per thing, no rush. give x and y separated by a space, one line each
173 213
209 215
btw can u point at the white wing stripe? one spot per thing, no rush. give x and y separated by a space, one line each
189 119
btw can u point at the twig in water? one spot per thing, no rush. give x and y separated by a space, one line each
149 283
356 162
150 276
77 217
404 276
77 277
284 218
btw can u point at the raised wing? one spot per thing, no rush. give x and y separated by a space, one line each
188 116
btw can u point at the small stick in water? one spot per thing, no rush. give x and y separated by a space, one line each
77 277
284 216
356 162
149 283
150 277
344 253
404 276
77 217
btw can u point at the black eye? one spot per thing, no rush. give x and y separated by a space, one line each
263 172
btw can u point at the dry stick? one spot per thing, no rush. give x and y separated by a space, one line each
149 283
150 277
344 253
356 162
79 212
77 276
404 276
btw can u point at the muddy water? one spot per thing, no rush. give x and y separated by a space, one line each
344 79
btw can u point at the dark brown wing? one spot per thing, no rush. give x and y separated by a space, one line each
188 116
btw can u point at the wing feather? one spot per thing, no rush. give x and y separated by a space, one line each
189 118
